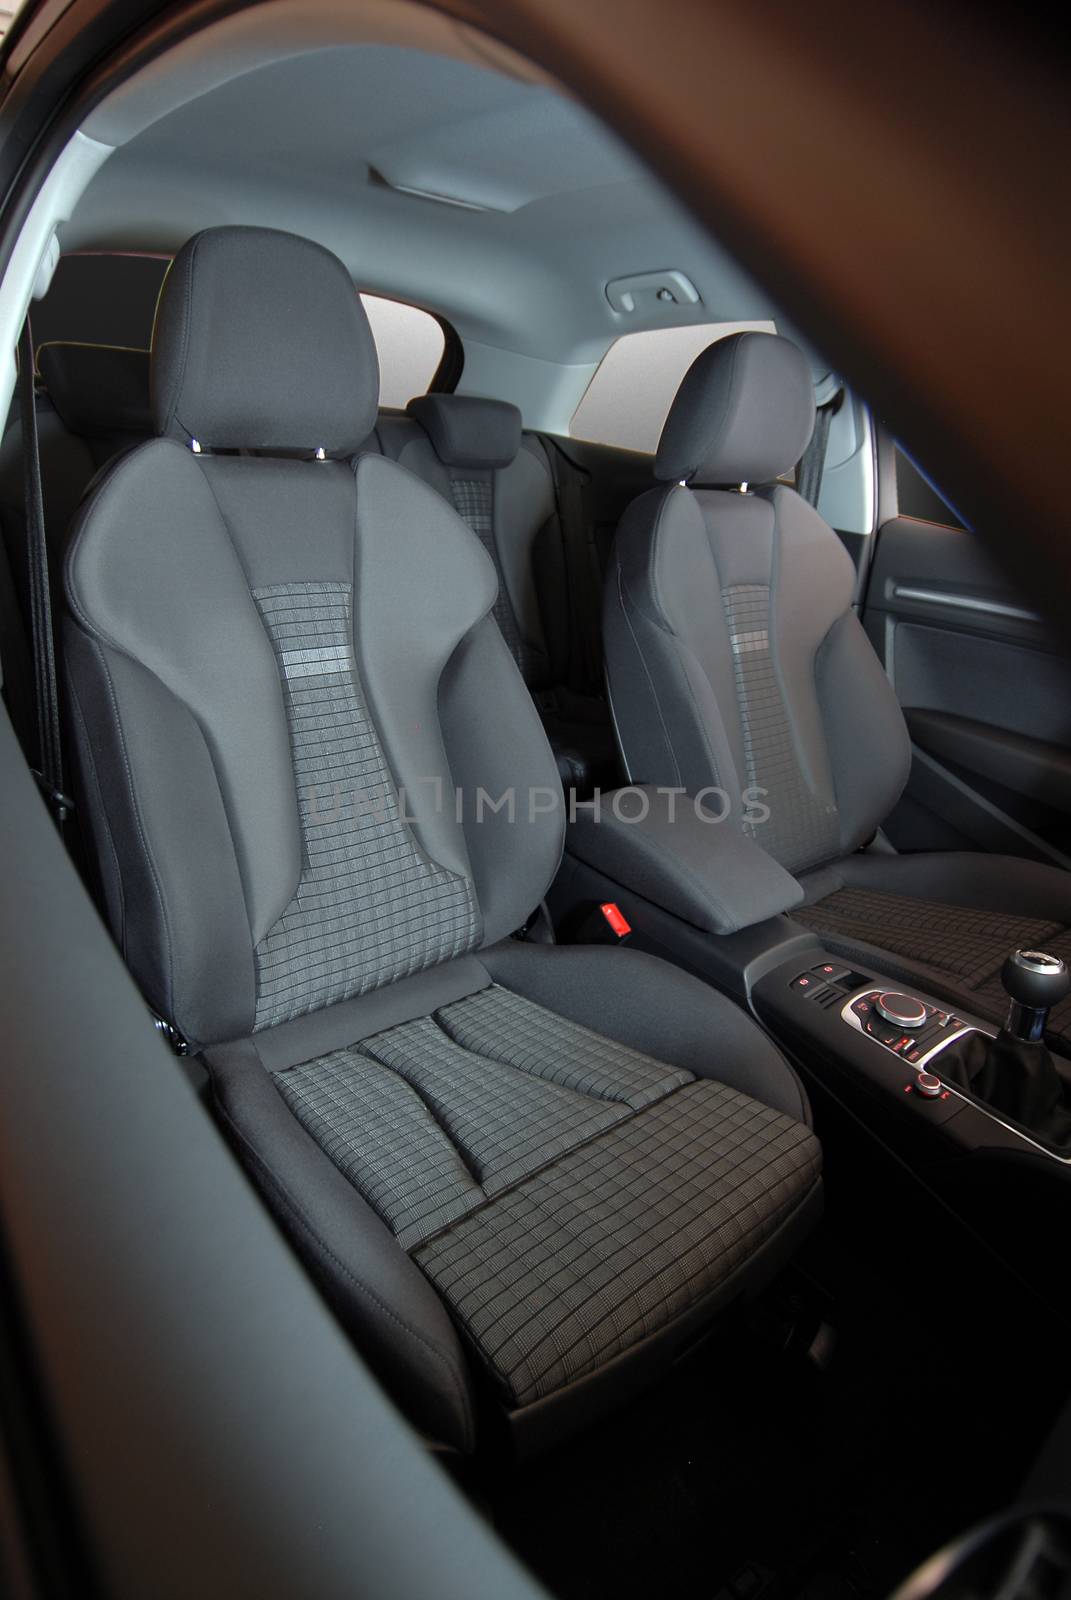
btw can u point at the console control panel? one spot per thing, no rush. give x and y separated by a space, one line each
909 1034
908 1027
901 1023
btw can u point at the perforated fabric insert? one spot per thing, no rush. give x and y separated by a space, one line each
370 906
503 1127
964 948
474 501
505 1027
577 1264
801 829
382 1137
564 1209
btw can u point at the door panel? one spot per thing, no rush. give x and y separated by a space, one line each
986 689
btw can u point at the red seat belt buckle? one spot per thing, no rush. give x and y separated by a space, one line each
615 918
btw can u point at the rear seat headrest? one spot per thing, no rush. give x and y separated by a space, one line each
468 431
261 343
98 390
744 413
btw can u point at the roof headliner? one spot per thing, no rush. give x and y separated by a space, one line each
297 144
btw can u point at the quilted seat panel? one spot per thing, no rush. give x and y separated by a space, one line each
565 1195
614 1241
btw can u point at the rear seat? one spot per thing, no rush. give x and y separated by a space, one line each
96 406
501 480
472 451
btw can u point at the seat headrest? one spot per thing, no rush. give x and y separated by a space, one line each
468 431
744 413
98 390
261 343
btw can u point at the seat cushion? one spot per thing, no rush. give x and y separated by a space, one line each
568 1197
948 919
610 1243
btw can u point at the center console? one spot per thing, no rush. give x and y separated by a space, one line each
895 1047
985 1088
980 1113
709 899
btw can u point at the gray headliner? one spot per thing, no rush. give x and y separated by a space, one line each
291 144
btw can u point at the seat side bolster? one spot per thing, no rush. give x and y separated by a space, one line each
669 722
524 505
656 1009
172 886
406 631
178 603
382 1297
866 735
513 811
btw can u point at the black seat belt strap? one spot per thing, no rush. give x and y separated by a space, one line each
812 463
584 604
46 687
15 658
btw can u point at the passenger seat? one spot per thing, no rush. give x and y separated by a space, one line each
526 1176
735 659
502 482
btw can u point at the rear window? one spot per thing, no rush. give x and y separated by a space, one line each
410 343
631 391
111 299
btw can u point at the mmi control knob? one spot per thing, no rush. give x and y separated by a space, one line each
902 1010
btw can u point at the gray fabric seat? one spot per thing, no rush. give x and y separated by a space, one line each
523 1175
501 481
567 1197
735 660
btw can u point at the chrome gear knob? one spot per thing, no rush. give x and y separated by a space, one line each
1034 982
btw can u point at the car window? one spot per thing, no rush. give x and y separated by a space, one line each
915 497
627 400
111 299
410 344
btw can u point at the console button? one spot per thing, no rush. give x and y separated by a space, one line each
901 1009
828 973
806 982
928 1085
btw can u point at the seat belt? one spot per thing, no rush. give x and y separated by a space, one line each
585 673
813 461
46 688
15 658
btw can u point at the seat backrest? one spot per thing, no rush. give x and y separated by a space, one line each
101 392
474 453
734 658
95 404
291 699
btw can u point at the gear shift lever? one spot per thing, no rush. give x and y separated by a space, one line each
1014 1073
1034 982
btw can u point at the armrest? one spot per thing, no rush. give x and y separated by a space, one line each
681 859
